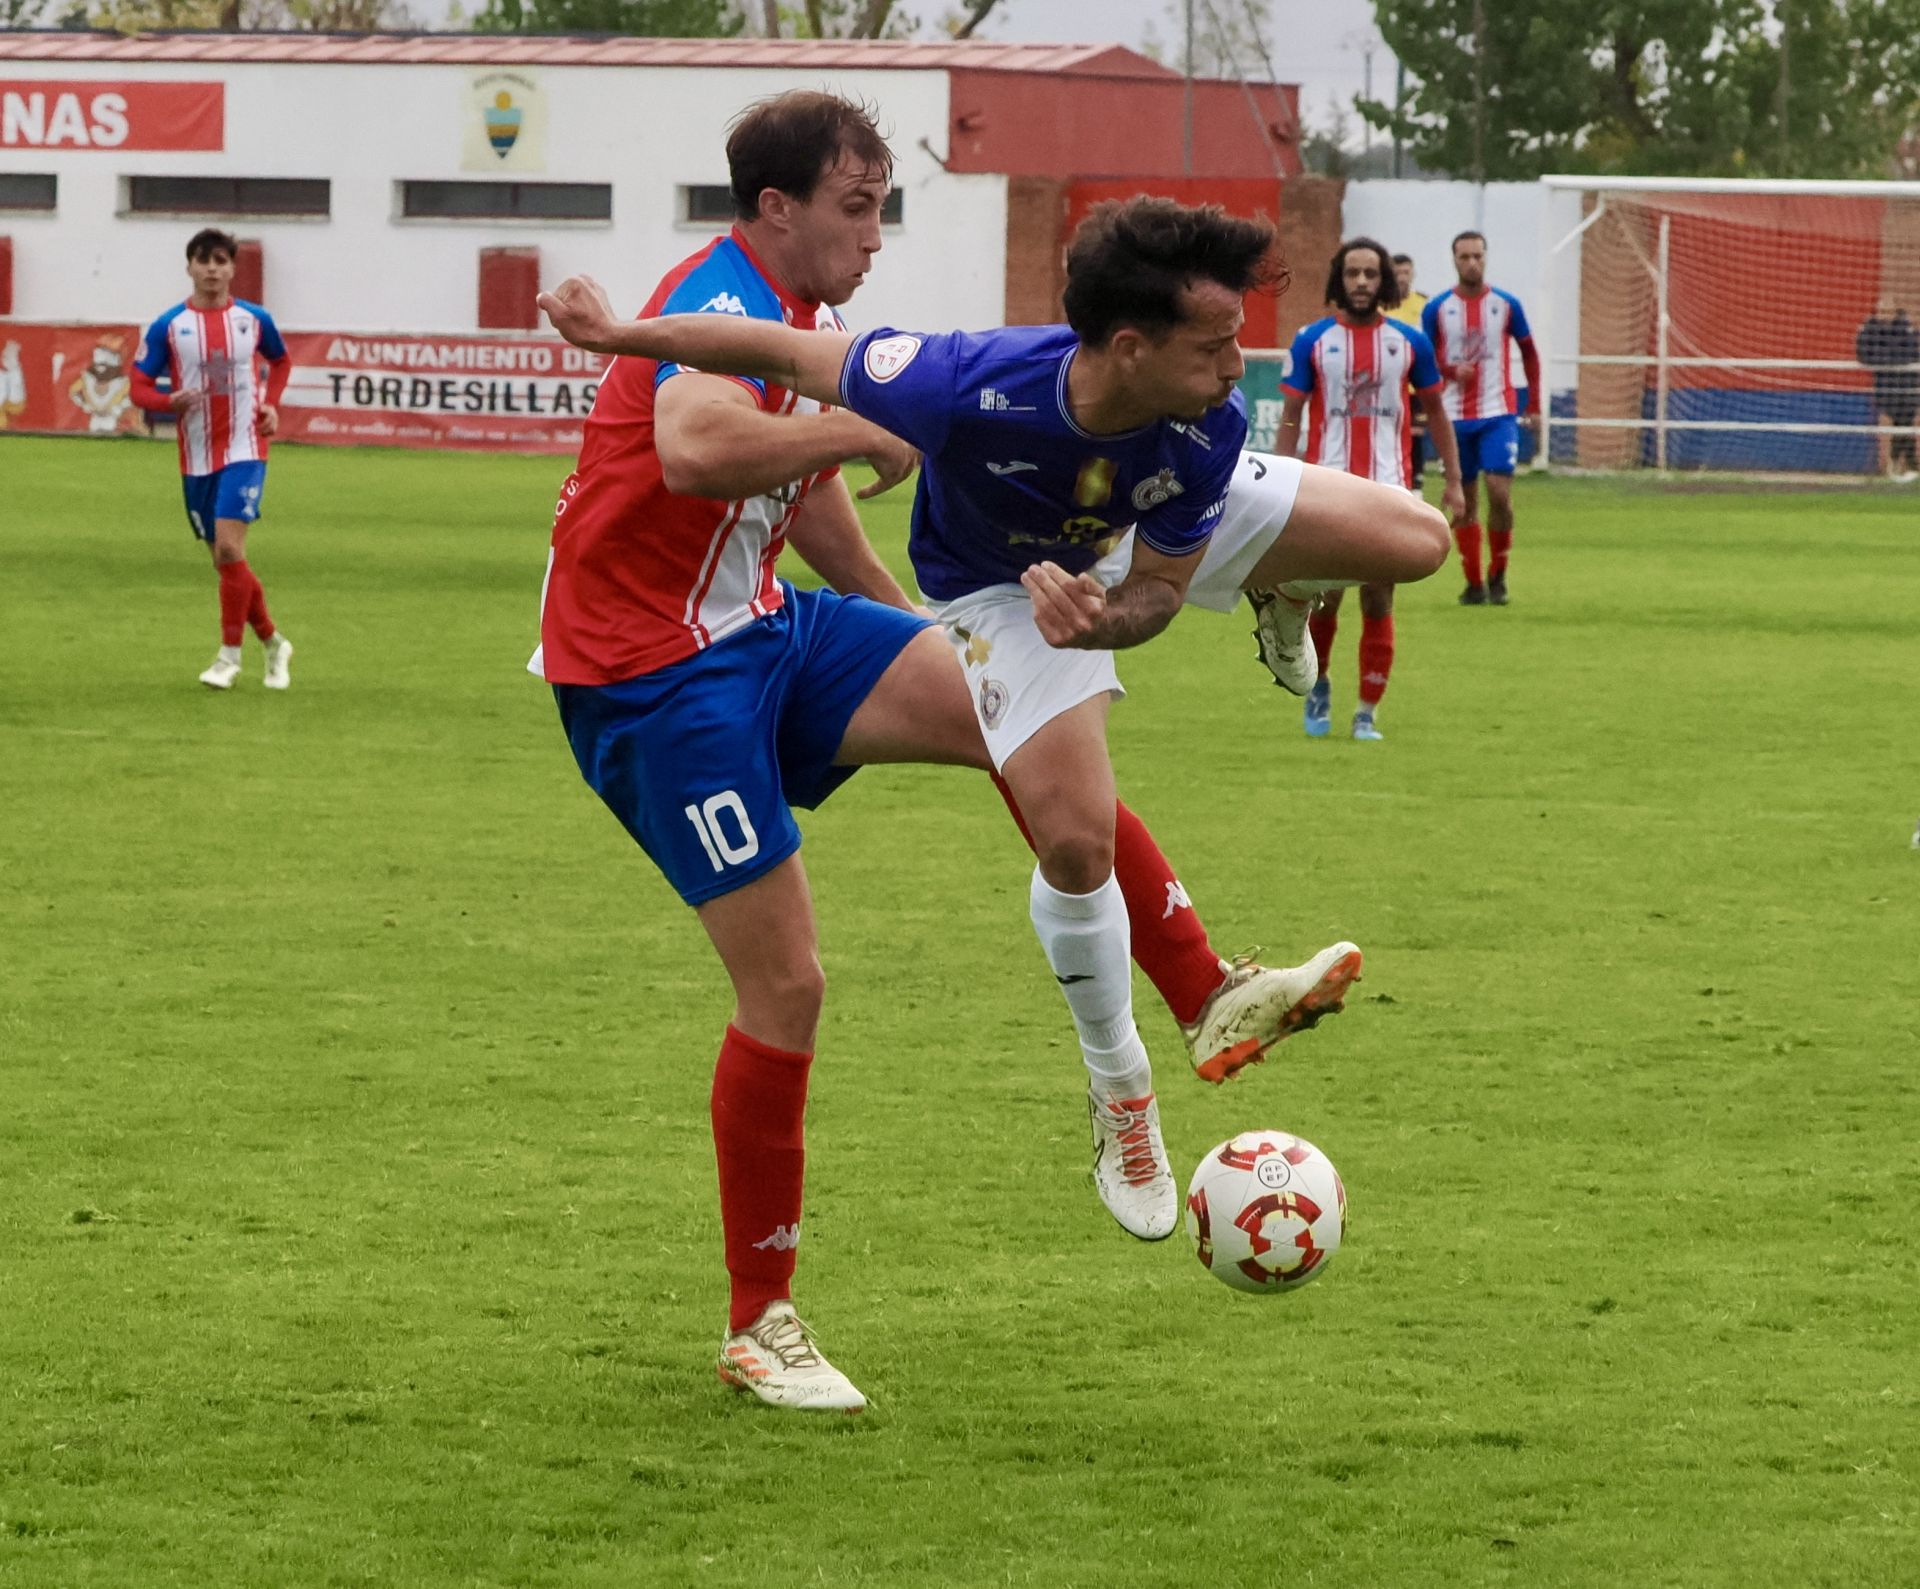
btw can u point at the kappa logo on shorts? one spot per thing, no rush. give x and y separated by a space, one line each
1149 494
993 702
887 357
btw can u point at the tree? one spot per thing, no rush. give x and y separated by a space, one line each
1652 87
1229 38
645 19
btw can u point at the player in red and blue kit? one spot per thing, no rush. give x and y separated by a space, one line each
1470 326
209 349
1354 373
1044 447
705 699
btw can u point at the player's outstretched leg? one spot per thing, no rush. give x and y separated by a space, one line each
1230 1013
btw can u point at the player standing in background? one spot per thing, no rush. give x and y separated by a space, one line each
1354 372
1408 312
210 346
1047 443
1469 326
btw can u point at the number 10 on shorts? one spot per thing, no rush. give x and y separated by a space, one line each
722 850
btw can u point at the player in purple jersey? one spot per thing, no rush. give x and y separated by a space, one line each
1045 446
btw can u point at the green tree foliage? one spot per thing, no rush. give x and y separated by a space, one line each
1820 88
657 19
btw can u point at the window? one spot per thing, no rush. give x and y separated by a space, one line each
713 206
309 196
21 192
495 201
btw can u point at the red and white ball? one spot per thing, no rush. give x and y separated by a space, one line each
1265 1211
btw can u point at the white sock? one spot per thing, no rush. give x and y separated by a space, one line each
1087 943
229 653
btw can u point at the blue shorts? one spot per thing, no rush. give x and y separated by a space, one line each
1488 446
229 493
704 760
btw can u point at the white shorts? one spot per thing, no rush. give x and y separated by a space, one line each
1019 683
1259 503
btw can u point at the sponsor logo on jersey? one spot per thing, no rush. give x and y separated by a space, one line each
1010 468
1150 494
1094 486
723 303
994 402
887 357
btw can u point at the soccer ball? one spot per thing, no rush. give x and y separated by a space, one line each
1265 1211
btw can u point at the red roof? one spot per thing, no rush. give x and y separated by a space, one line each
509 49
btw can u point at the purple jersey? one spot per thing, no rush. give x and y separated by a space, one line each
1009 479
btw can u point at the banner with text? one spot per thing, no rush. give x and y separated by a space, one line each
36 114
487 393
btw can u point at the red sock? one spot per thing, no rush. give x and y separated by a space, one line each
759 1137
1499 543
1467 538
236 589
257 605
1169 939
1323 626
1376 658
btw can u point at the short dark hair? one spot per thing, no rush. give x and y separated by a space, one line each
1479 237
1129 262
791 141
1389 294
210 240
1403 259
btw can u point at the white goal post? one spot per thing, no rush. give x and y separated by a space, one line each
1699 324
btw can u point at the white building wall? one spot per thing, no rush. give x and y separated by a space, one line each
646 130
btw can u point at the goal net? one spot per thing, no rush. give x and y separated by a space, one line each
1723 325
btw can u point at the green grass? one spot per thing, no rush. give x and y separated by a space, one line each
356 1198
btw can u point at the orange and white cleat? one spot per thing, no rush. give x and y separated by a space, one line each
1257 1007
775 1359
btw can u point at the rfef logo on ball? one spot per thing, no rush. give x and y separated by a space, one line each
1273 1173
888 356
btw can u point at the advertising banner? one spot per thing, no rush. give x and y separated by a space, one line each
69 378
498 393
38 114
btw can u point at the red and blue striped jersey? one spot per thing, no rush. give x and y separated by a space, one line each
216 351
1357 379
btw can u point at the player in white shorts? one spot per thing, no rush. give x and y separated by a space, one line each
1339 531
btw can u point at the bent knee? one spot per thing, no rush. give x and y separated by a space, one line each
1078 864
797 986
1424 542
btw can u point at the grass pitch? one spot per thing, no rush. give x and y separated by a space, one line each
357 1219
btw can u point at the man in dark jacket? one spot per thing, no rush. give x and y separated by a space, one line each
1889 345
